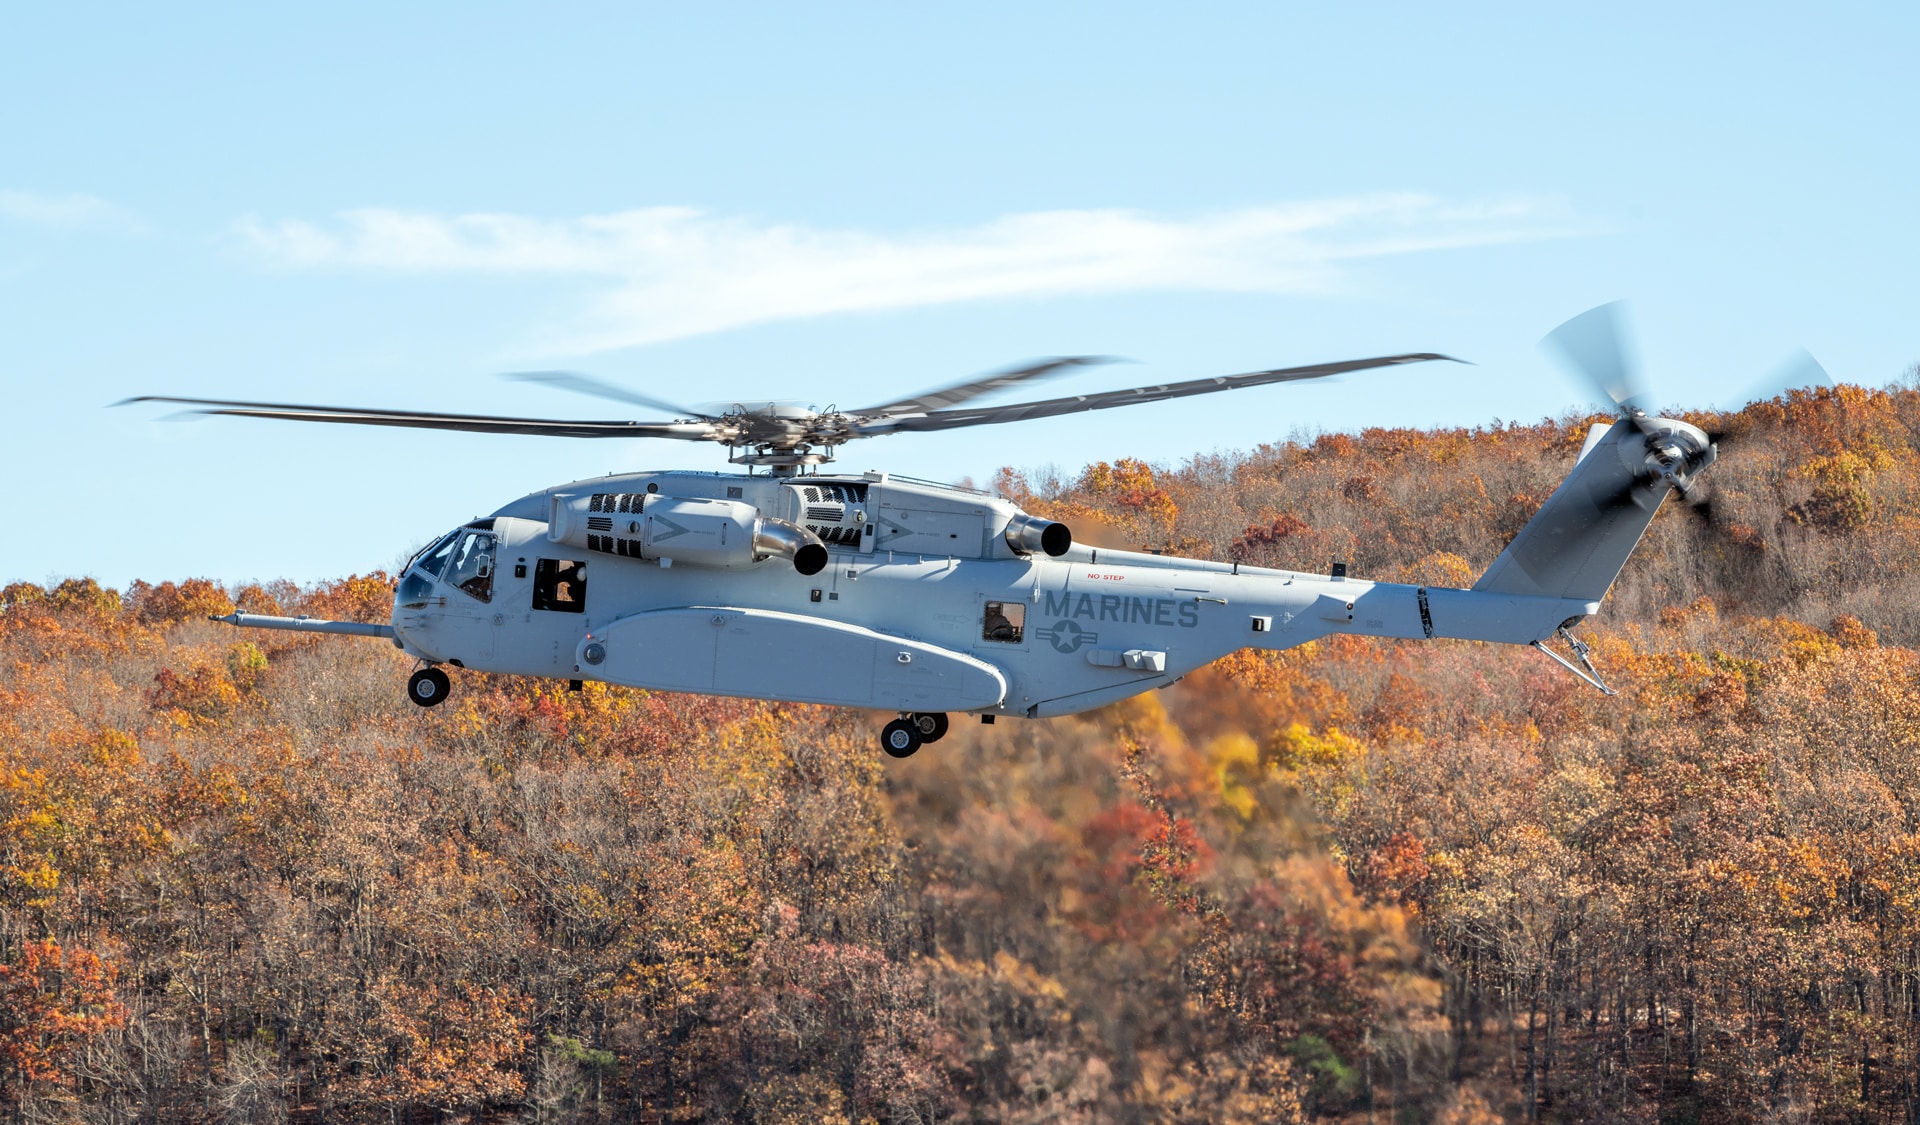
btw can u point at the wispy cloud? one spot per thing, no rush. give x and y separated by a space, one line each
673 272
64 210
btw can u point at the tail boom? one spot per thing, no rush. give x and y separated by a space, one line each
1394 610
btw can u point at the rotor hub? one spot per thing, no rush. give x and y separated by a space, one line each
1676 451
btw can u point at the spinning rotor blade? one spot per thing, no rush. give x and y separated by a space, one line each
954 395
991 415
1594 344
1797 371
588 385
777 432
424 420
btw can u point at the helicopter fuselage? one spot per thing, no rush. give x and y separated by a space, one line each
932 598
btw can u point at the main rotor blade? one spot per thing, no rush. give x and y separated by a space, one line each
1595 345
423 420
927 401
991 415
588 385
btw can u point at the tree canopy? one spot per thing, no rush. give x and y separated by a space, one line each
242 879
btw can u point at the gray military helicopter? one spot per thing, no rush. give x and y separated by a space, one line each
880 591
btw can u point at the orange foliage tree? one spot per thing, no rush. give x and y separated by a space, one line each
53 999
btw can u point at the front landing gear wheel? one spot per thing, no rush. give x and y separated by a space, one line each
931 725
429 687
900 738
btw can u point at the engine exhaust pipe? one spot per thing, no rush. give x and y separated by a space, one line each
1028 534
778 537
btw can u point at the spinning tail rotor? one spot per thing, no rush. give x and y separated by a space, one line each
1595 345
1577 542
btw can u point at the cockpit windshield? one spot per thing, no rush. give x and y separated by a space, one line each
433 558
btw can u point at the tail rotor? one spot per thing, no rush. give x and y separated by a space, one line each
1596 346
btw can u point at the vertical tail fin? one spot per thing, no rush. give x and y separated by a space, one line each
1576 544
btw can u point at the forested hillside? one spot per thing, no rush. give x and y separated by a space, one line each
242 879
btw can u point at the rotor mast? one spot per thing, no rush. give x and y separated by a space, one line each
779 462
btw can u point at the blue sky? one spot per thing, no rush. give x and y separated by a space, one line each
387 205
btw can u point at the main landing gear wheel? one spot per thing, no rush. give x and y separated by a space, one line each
429 687
931 725
900 738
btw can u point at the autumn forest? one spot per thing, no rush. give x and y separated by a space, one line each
243 879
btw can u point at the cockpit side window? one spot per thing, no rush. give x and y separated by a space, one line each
1004 621
471 567
560 585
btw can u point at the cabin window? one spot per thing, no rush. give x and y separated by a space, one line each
560 585
1004 621
471 568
